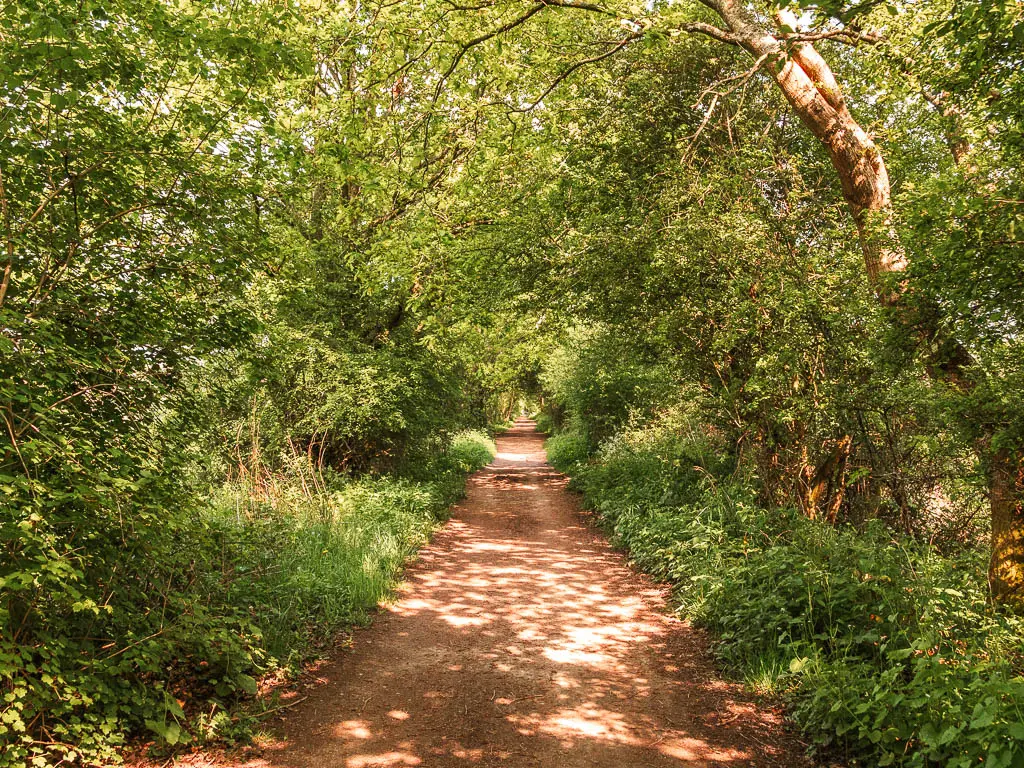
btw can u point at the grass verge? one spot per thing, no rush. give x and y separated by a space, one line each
253 583
317 560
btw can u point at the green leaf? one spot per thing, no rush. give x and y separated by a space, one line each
247 684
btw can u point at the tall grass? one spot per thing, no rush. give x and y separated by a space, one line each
313 558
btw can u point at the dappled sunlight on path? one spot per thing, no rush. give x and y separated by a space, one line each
521 639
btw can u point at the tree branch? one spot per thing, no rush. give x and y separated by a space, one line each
743 76
710 30
572 68
483 38
848 36
579 6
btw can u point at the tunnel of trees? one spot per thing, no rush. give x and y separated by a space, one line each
270 270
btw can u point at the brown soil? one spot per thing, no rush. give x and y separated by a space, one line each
522 639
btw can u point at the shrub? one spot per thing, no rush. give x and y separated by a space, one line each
258 581
546 423
888 651
566 449
472 450
600 380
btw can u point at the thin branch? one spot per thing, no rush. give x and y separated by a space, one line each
121 214
5 216
72 396
699 27
518 21
579 6
14 445
58 190
569 70
282 706
130 646
472 224
480 7
508 26
743 77
848 36
700 128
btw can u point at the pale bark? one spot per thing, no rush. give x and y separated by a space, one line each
810 87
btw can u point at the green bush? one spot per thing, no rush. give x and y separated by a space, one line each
546 423
888 651
260 579
600 380
472 450
566 449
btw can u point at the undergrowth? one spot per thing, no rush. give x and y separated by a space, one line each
887 652
261 580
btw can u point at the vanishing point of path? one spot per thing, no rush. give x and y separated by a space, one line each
521 639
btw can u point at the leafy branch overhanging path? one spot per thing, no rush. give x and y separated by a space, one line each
522 639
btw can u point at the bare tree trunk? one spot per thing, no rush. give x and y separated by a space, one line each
820 490
810 87
1006 496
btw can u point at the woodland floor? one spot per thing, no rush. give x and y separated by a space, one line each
521 638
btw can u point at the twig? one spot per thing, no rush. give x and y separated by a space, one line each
266 712
572 68
743 77
131 645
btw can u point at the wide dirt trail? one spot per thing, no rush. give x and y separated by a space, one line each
522 639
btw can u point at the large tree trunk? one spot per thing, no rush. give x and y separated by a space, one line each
1006 496
810 87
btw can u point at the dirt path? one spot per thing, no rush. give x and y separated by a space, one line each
521 639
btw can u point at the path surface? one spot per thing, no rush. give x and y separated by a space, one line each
522 639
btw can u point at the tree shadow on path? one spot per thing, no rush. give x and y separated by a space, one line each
522 639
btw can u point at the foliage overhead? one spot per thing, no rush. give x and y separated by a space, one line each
261 263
